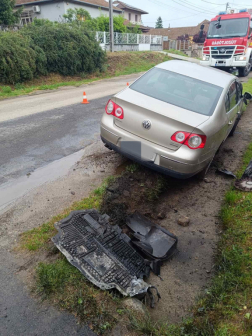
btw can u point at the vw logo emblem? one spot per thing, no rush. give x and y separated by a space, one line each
222 50
147 124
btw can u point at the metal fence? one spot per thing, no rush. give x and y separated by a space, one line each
129 38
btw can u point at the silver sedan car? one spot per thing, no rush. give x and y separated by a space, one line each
174 118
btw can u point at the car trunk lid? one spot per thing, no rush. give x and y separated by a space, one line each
165 118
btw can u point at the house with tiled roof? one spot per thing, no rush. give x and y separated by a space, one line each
174 33
132 15
54 10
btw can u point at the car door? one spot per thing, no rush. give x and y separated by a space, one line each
231 106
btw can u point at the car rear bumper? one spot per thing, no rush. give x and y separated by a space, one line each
169 162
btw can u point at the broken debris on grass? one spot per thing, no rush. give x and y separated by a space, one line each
245 183
108 257
225 172
102 252
153 241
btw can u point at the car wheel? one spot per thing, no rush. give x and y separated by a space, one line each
234 127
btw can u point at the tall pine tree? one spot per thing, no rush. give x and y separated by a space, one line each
7 14
159 23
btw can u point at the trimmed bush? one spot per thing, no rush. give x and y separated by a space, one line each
45 47
70 50
19 59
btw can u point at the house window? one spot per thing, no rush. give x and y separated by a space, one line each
129 16
26 17
136 18
26 20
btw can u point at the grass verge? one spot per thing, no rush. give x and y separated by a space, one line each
121 63
61 283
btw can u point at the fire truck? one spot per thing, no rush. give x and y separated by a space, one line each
228 45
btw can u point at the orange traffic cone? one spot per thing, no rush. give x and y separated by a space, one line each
85 101
127 84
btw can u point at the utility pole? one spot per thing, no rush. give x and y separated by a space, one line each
111 25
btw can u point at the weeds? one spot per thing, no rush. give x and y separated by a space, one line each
132 168
154 193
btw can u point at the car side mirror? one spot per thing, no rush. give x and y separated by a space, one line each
247 95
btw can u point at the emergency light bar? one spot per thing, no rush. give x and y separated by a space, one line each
233 11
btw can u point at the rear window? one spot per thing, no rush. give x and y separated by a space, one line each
186 92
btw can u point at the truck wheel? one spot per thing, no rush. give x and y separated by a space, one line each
244 72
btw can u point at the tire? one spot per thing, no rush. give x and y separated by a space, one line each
234 127
244 72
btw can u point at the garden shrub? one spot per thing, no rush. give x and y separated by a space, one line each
69 49
45 47
17 59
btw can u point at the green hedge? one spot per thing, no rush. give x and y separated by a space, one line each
44 47
19 60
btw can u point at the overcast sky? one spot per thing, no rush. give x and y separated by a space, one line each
181 13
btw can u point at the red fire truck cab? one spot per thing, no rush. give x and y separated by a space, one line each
228 44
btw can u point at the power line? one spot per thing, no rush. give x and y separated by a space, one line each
156 2
213 3
196 10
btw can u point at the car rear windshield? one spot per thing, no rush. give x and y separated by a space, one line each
186 92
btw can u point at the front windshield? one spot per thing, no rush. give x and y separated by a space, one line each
229 28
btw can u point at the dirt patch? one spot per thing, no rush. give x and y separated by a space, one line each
189 273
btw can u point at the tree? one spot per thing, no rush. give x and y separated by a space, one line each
159 23
198 39
7 14
77 15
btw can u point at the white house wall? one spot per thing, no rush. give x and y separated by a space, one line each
55 11
94 12
51 11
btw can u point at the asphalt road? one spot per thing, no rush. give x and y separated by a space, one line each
26 144
33 141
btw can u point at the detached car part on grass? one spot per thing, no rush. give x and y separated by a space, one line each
245 183
102 252
154 242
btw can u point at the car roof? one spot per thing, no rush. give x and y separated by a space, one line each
200 72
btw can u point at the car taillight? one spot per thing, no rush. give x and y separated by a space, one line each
206 50
191 140
114 109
